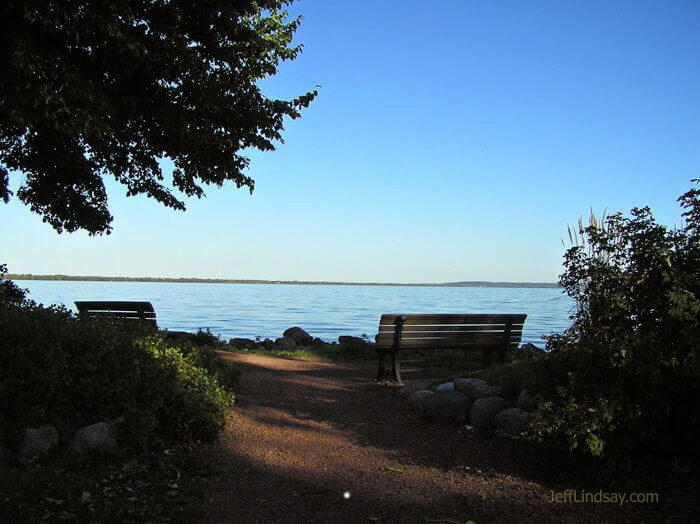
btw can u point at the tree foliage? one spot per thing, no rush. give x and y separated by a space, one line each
91 89
624 380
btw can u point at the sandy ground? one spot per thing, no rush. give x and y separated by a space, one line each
320 442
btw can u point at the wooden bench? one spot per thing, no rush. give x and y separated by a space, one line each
136 311
494 334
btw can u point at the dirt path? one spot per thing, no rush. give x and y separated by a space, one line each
307 434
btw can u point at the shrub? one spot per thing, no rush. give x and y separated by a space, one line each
623 380
70 372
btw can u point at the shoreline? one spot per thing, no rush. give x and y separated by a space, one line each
183 280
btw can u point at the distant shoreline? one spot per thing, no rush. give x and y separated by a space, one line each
292 282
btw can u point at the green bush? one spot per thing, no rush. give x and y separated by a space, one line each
57 369
623 380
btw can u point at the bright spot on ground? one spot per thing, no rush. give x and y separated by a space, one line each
346 494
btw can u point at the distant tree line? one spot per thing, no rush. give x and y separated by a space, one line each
295 282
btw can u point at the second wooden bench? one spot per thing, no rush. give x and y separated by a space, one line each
493 334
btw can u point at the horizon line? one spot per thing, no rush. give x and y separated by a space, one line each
194 280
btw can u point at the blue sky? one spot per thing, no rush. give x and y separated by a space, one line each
449 141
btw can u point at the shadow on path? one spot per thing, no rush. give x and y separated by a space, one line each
320 442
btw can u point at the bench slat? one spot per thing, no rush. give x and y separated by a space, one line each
103 305
467 328
486 318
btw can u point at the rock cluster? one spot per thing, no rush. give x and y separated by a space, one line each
298 338
42 440
471 400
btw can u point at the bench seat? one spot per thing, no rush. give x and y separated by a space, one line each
133 311
493 334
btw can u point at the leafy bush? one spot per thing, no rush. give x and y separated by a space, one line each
9 291
57 369
623 380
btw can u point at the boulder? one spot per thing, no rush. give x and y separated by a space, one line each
285 343
413 385
268 343
354 346
300 337
38 441
511 420
317 342
447 386
420 400
243 343
484 411
475 388
449 405
96 437
528 401
346 340
532 349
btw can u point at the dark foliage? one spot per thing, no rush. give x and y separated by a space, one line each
90 89
69 372
623 382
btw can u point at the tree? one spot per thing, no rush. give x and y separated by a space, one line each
95 89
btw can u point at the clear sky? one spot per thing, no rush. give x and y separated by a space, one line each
449 141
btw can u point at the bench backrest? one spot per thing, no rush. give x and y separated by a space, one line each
450 331
142 311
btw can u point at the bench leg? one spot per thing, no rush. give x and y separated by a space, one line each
382 368
486 357
395 367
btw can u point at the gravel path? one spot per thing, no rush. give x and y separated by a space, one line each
320 442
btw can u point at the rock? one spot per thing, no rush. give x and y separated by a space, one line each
299 336
355 342
285 343
317 342
447 386
96 437
353 346
242 343
420 400
449 405
528 401
268 343
484 411
476 388
532 349
511 420
38 441
414 385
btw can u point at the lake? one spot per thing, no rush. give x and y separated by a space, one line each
325 311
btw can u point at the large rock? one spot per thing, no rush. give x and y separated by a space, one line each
484 411
449 405
38 441
420 400
243 343
285 343
299 336
447 386
414 385
532 350
528 401
96 437
511 420
475 388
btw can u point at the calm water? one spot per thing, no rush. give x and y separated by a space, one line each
266 310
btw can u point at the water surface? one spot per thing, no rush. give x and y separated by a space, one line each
325 311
